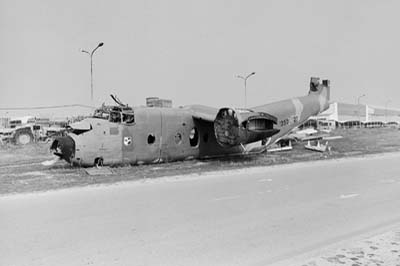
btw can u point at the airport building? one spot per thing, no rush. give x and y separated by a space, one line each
347 115
52 112
38 115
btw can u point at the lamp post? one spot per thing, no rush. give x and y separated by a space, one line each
245 85
386 105
358 108
91 67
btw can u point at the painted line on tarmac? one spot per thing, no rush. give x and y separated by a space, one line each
265 180
264 192
226 198
349 196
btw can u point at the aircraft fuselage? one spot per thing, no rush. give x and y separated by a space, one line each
153 135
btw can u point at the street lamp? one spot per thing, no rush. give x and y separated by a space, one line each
358 108
245 85
91 67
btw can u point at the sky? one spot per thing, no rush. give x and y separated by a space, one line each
192 51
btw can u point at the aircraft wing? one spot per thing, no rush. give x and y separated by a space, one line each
202 112
234 127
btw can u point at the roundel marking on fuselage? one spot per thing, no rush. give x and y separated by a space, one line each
127 141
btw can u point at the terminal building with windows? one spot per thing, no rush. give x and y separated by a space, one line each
345 115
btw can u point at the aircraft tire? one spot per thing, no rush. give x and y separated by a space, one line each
98 162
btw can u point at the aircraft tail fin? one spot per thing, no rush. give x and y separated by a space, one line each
323 89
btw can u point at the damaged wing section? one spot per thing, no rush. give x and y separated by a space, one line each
235 127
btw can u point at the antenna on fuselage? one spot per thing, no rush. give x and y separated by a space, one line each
118 101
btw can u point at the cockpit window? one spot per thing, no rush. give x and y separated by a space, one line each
115 117
115 114
128 118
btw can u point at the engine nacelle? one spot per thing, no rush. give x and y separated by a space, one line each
234 127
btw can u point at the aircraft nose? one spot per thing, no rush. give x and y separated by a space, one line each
64 147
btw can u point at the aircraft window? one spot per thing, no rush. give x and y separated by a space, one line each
128 118
194 137
115 117
116 109
151 139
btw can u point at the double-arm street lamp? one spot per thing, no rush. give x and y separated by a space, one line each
91 67
245 85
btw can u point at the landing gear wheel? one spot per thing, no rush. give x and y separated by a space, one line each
98 162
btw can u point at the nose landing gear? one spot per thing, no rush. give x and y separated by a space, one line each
98 162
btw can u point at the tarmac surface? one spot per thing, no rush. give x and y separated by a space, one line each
252 216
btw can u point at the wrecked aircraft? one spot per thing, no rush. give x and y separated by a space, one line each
123 135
